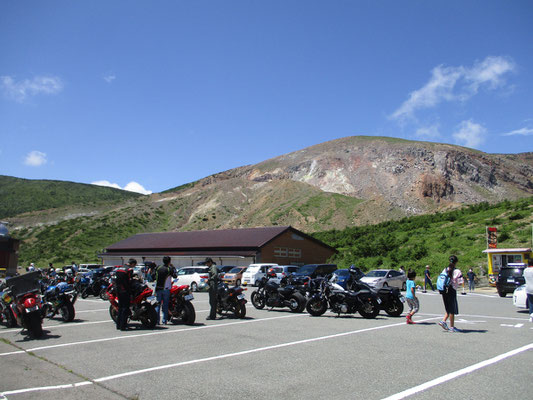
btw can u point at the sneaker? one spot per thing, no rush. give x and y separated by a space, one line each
444 325
454 329
531 318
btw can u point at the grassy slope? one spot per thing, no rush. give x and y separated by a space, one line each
430 239
23 195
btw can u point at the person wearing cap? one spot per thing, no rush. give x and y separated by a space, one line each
427 279
123 290
213 284
163 282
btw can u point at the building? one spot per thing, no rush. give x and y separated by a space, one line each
505 258
283 245
8 252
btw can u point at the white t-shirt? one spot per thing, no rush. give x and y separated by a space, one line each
528 275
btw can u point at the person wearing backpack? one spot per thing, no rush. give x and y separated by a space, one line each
447 283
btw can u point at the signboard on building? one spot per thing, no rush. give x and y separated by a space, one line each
492 238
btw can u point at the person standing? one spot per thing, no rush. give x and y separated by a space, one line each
213 285
123 290
528 276
412 300
402 270
163 282
427 279
471 277
449 295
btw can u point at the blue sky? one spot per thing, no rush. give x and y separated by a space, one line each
148 95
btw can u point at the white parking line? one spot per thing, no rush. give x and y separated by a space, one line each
165 332
213 358
456 374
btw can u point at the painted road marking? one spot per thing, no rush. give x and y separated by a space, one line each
456 374
513 326
207 359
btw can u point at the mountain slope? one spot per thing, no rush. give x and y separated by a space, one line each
24 195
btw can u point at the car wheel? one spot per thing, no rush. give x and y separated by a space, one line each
194 287
502 294
404 286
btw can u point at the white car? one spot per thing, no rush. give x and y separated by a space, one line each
255 272
379 278
282 271
194 277
520 297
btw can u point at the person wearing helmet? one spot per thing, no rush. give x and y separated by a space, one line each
123 289
449 295
163 282
31 268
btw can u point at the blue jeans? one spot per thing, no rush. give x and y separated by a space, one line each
471 286
530 301
162 296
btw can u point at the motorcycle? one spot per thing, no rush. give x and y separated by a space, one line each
59 298
341 301
94 286
141 306
180 306
391 298
6 298
231 299
282 294
27 305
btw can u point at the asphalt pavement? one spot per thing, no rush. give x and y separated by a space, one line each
277 354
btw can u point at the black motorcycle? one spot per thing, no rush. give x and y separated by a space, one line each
341 301
59 298
6 298
273 294
231 299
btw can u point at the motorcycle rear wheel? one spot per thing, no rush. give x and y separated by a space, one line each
316 307
395 309
67 312
239 310
84 293
297 303
35 326
104 295
258 300
188 314
369 309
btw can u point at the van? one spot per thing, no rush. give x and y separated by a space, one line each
255 272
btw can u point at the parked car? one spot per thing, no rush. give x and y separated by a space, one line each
509 278
234 276
282 271
520 297
315 270
223 269
340 277
379 278
195 277
255 272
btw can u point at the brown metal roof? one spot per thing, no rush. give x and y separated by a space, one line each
217 239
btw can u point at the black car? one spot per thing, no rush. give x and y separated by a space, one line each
510 278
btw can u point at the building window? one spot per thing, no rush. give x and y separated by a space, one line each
281 252
295 253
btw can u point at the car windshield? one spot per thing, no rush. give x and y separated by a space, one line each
235 270
376 274
307 269
342 272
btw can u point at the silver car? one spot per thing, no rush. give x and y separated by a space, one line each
379 278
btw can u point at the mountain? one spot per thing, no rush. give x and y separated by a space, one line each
347 182
25 195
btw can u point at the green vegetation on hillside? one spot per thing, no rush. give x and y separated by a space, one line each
22 195
415 242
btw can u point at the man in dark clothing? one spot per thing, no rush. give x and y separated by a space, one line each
123 290
213 284
427 279
163 282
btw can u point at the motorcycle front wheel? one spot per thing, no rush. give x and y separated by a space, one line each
103 294
67 311
258 300
316 307
395 308
148 317
369 309
114 313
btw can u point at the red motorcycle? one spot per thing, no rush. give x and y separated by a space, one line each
26 305
180 306
142 305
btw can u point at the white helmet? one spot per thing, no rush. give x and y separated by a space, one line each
31 268
68 271
58 270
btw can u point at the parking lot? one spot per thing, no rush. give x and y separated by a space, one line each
276 354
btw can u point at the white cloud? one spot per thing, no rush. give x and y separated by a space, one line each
110 78
21 90
522 132
470 134
455 84
431 131
35 159
131 187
